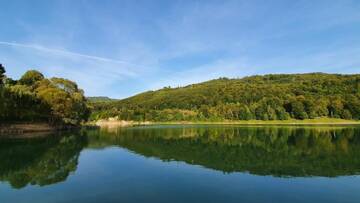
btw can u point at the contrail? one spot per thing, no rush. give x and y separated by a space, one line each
65 52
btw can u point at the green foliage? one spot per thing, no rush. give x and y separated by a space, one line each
35 98
99 99
30 77
66 100
2 74
268 97
298 110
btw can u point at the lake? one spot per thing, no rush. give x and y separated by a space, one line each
191 163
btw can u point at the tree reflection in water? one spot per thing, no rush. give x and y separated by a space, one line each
276 151
39 161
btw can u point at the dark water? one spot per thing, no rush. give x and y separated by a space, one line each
184 164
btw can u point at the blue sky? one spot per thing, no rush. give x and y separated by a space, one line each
120 48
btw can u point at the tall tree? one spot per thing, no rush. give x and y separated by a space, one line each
2 74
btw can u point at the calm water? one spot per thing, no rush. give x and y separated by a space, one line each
184 164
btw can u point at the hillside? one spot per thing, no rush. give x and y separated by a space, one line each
99 99
268 97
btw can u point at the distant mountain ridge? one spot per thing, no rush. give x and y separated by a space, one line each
100 99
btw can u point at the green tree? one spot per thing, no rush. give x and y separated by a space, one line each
320 107
298 110
353 105
346 114
271 113
336 107
67 102
30 77
2 74
282 114
205 110
245 113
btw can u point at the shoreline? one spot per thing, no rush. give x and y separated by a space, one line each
260 123
30 129
292 122
36 129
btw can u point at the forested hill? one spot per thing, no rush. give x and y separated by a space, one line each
100 99
268 97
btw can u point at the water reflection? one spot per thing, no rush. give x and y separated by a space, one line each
275 151
39 161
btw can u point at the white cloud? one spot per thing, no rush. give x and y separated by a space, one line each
220 68
94 74
67 53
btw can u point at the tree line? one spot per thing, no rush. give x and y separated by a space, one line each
36 98
268 97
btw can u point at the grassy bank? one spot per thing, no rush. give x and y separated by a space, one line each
24 128
317 121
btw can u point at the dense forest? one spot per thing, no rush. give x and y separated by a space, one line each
268 97
34 98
